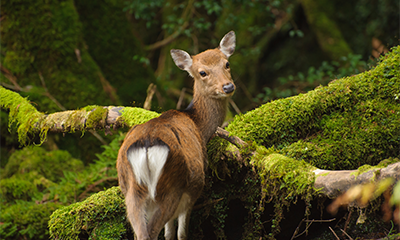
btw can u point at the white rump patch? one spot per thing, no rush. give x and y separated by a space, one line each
147 165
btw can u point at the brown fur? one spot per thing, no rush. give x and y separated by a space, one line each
186 134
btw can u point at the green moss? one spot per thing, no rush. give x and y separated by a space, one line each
132 116
320 17
18 62
26 220
22 113
365 168
92 217
215 148
49 165
41 43
283 181
295 176
351 122
109 230
15 188
97 118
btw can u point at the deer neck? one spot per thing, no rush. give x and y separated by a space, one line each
208 114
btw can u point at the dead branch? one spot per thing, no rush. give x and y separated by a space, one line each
10 77
334 233
333 183
150 93
308 225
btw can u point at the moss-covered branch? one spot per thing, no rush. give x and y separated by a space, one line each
352 123
31 122
329 183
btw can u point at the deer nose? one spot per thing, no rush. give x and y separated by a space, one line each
228 88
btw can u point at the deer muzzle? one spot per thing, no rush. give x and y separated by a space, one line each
228 88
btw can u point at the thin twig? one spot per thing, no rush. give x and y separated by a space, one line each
100 138
308 226
233 104
10 77
334 233
150 93
207 203
181 97
348 219
47 94
168 39
346 234
185 15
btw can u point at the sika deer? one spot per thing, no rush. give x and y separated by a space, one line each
161 164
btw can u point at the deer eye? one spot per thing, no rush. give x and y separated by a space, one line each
227 65
203 74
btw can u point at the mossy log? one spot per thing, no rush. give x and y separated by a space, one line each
284 142
276 115
31 122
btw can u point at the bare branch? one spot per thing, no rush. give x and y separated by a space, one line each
168 39
150 92
239 143
185 15
333 183
10 77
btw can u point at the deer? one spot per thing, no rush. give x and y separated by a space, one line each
162 163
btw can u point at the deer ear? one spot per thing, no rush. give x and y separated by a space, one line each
228 44
182 59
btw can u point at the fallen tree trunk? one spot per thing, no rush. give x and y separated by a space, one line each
330 183
351 123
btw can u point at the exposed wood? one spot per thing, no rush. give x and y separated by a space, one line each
239 143
150 93
333 183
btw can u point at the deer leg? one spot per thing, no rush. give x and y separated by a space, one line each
135 207
170 230
163 215
183 224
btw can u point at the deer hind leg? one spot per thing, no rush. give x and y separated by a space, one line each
170 230
185 208
165 214
183 214
183 224
135 207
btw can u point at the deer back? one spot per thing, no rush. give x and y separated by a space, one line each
186 158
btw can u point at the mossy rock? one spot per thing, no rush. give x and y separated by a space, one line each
14 188
101 216
50 165
26 220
